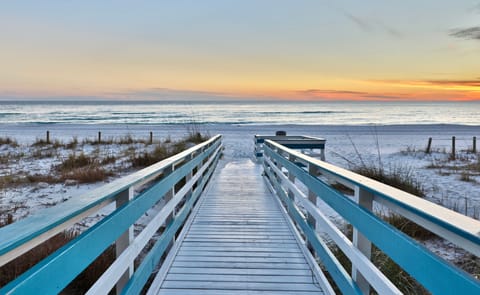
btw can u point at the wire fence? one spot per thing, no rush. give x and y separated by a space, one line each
456 144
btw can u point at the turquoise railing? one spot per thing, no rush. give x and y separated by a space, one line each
301 181
188 172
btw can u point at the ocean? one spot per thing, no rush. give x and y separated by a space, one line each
239 113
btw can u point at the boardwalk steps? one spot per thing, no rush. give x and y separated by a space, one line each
238 241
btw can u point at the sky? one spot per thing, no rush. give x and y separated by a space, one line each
225 49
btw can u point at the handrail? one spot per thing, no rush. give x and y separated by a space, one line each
441 277
194 165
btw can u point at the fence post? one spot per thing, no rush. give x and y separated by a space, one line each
48 136
124 240
429 145
365 200
151 137
99 137
474 145
453 147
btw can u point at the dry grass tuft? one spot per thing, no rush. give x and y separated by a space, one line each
8 141
149 158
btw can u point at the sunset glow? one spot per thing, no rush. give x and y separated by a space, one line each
308 50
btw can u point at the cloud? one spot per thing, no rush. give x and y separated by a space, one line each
362 24
440 83
472 83
370 25
170 94
384 97
328 92
472 33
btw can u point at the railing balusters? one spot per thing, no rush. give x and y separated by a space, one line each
369 228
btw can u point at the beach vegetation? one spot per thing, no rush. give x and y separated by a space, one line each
87 174
8 141
147 158
401 177
399 277
72 144
76 161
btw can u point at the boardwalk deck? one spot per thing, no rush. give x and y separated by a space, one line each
238 242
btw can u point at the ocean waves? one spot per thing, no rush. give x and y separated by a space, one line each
239 113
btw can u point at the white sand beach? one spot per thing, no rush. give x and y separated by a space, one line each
391 146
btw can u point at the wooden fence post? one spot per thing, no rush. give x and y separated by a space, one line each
48 136
151 137
474 146
99 137
453 147
429 145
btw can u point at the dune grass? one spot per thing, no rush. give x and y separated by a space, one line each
84 168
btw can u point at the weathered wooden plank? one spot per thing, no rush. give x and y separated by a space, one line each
230 292
229 235
240 244
280 240
239 278
241 271
207 264
240 259
239 254
246 286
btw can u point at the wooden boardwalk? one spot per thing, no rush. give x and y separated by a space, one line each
237 242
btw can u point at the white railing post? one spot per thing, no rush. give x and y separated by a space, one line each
188 177
124 240
169 195
291 178
312 197
364 199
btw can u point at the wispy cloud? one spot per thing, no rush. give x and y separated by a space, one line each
329 94
472 33
361 23
170 94
370 25
384 97
473 83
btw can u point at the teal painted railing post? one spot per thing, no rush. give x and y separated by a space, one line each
364 199
125 239
312 197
